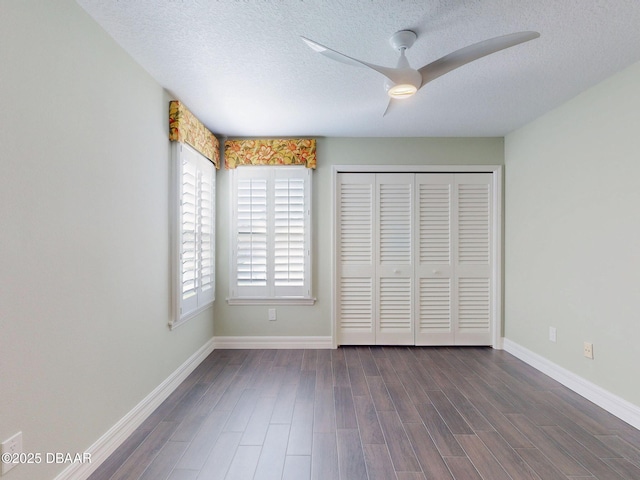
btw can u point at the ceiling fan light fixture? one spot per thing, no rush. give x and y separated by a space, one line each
402 90
403 81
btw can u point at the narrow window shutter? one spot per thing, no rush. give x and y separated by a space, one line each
188 246
250 232
206 232
196 232
291 225
289 232
251 238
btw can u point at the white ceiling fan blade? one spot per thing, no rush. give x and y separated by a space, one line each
391 73
472 52
390 106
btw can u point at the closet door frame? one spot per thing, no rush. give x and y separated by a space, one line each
497 233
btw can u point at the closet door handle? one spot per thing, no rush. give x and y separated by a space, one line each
436 272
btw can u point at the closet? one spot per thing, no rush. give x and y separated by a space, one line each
414 259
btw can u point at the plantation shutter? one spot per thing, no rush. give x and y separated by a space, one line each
271 232
196 235
290 225
188 253
206 235
251 236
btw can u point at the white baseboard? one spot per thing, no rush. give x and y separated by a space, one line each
613 404
272 342
117 434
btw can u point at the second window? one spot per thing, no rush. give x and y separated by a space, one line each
270 235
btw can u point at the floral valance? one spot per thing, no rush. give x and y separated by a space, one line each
185 127
293 151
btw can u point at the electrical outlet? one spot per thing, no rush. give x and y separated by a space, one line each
10 448
588 350
553 334
272 314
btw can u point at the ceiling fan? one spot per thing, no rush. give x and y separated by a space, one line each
403 81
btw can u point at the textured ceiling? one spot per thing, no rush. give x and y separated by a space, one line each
242 68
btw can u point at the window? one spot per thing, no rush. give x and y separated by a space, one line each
194 244
271 231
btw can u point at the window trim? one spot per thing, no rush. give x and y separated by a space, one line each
204 301
269 172
271 301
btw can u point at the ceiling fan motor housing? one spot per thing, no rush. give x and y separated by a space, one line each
404 81
403 39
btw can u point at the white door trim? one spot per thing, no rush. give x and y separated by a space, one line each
495 170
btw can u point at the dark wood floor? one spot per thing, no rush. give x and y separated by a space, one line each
379 413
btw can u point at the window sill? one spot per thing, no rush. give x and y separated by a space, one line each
188 316
271 301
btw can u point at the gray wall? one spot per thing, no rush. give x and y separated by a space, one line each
84 243
84 236
572 242
316 320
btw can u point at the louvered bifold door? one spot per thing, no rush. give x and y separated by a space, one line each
434 308
394 271
473 258
355 287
